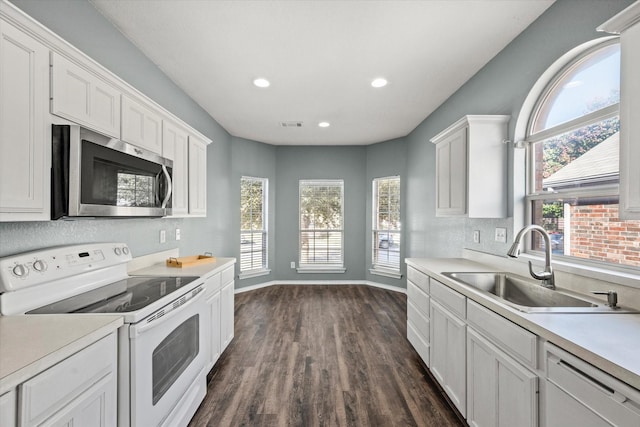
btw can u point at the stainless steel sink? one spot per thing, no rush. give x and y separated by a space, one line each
530 297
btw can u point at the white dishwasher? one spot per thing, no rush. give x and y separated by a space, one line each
578 394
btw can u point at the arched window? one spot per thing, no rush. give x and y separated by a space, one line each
573 161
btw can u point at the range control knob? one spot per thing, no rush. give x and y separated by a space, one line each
117 251
20 270
40 265
125 250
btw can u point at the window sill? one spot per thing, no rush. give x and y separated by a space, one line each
254 273
385 273
321 270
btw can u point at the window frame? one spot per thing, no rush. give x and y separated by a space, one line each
541 90
382 268
320 267
264 268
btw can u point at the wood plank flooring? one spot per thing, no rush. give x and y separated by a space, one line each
321 356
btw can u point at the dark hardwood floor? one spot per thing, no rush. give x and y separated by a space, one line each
321 356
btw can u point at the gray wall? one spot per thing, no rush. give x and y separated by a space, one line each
295 163
250 158
499 88
385 159
84 27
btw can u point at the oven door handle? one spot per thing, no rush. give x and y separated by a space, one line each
158 318
169 185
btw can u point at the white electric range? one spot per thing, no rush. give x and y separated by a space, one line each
162 345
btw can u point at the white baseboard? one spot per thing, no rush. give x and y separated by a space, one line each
321 282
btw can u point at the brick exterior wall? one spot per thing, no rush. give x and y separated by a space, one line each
598 234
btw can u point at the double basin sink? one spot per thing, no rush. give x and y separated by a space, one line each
529 297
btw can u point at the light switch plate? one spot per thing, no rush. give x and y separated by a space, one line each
501 235
476 236
163 236
177 234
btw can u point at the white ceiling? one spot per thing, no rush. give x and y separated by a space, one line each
320 57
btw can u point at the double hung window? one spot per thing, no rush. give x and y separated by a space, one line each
574 158
253 224
386 224
321 224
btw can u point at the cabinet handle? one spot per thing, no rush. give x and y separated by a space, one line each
588 378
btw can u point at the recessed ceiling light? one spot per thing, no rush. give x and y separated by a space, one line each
261 82
324 124
379 82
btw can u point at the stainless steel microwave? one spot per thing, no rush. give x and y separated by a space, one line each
93 175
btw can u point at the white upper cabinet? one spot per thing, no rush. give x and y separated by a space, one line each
627 24
175 146
471 168
141 124
24 132
197 176
83 97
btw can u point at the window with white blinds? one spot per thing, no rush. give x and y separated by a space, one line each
321 224
253 224
386 224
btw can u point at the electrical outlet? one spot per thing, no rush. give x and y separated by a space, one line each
177 234
163 236
293 264
476 236
501 235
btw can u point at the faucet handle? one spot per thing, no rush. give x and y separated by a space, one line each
612 297
547 277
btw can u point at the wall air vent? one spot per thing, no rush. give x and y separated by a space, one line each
291 124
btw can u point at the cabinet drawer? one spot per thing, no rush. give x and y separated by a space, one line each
419 320
508 336
227 275
212 284
418 298
452 300
419 279
421 346
596 391
51 390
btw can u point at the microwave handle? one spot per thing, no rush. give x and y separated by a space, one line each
169 185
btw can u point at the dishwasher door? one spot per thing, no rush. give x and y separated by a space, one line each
578 394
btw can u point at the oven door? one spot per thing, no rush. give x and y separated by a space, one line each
168 354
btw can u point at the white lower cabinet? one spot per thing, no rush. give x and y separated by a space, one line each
226 309
79 391
8 408
448 355
500 392
578 394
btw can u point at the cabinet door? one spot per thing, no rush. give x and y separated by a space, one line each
451 174
175 146
8 406
197 176
500 392
226 315
448 355
213 303
141 125
24 134
83 97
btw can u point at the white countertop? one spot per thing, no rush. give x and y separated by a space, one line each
203 270
608 341
29 344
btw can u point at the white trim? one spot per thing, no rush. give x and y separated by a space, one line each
321 282
385 273
622 20
320 270
254 273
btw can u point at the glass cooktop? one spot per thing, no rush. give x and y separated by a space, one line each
124 296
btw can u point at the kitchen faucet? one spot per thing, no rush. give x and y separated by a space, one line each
547 277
